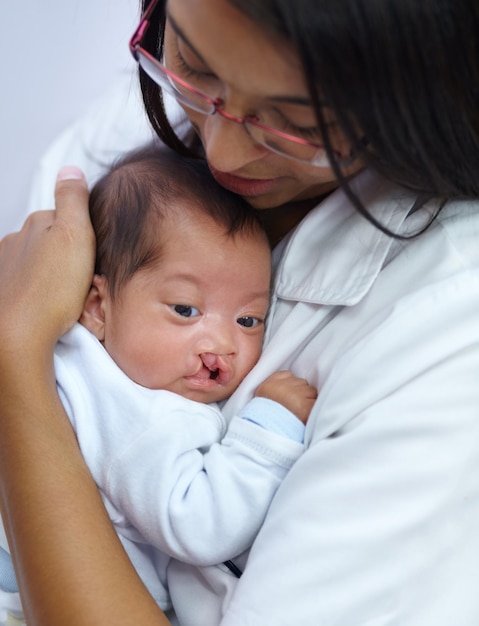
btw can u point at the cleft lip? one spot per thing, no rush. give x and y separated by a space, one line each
219 367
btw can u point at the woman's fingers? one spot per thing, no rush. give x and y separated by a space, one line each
46 267
71 197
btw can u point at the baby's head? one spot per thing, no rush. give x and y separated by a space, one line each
182 276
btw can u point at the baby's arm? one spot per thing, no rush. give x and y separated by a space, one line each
294 393
230 487
204 506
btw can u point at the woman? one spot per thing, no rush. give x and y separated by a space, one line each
377 523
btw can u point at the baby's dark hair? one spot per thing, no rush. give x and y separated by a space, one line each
128 204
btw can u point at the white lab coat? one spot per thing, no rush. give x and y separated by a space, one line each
378 523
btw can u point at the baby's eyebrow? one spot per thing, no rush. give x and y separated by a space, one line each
186 277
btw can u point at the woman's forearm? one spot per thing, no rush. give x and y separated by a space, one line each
70 565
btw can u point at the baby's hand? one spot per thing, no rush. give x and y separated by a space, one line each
294 393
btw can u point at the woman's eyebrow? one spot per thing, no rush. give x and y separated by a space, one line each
181 34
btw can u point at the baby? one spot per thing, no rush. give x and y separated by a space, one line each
172 324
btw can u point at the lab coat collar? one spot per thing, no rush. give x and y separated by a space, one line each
335 254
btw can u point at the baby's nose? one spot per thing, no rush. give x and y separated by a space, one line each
218 339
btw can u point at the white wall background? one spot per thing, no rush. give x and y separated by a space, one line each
56 57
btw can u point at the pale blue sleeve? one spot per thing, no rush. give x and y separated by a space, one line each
274 417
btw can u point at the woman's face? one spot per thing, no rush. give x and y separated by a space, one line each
215 47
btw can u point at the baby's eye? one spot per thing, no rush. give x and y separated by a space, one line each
249 322
185 310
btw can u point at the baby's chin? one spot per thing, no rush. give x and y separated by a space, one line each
216 397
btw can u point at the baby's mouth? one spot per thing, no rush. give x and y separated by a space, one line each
214 374
218 366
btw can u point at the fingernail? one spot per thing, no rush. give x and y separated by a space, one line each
70 172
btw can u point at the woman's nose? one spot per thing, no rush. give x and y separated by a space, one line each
228 145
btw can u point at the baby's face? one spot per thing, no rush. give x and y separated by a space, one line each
194 323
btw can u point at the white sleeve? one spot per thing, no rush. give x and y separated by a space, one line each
202 506
378 523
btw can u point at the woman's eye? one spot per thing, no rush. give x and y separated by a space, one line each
311 134
281 121
185 310
185 70
249 322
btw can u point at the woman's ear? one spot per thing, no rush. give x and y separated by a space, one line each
93 314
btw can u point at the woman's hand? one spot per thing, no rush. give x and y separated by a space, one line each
46 270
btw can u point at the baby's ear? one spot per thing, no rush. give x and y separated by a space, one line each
93 314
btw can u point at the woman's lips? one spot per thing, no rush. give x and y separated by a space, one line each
244 186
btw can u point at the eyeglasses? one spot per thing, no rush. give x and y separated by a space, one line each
193 98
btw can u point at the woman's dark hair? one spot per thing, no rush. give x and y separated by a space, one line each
400 76
141 189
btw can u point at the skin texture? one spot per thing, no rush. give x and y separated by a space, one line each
50 266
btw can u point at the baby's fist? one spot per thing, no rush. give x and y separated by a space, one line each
294 393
